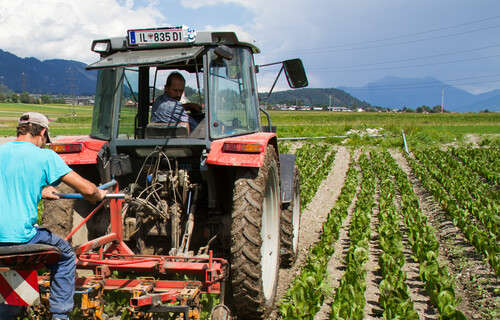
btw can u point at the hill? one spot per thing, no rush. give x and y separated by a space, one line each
70 77
47 77
412 93
316 97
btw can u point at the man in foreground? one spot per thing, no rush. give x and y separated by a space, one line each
168 109
28 173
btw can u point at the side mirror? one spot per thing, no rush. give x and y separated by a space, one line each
295 73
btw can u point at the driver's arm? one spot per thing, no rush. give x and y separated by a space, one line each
193 107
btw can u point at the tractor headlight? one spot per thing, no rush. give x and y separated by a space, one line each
101 46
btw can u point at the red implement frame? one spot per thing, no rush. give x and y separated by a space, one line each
117 256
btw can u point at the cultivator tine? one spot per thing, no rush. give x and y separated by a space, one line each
141 297
145 302
92 299
190 296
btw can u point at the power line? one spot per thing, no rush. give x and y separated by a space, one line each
419 33
359 45
404 67
417 58
422 85
333 48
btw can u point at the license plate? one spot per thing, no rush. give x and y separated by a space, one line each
157 36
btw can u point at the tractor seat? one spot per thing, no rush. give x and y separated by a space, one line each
167 130
31 256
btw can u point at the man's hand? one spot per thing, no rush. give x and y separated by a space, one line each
49 193
102 193
97 196
193 107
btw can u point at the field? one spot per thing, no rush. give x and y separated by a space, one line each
395 235
440 128
384 233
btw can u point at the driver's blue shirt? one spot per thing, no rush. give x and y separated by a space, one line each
25 170
168 110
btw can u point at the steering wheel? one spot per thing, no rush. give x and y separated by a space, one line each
197 115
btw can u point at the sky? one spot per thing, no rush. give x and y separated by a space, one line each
341 42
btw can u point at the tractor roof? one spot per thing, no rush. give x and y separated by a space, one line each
151 47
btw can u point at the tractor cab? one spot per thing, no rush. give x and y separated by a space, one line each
220 76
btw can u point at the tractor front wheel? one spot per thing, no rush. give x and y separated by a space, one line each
290 223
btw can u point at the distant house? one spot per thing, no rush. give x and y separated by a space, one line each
339 109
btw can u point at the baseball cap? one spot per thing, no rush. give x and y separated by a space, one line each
37 118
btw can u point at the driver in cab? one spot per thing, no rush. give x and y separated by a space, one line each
167 107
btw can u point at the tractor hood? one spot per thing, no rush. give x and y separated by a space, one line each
139 58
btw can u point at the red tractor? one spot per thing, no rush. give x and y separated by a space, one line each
214 210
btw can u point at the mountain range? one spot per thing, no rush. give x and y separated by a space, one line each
46 77
70 78
394 92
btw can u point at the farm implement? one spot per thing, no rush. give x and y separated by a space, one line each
106 255
209 210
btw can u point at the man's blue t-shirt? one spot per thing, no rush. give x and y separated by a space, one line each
25 170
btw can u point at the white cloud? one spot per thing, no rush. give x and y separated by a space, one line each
48 29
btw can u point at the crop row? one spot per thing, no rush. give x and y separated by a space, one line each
466 186
424 244
349 300
315 162
306 294
484 241
394 292
308 290
485 161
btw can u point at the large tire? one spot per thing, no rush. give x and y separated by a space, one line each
61 216
255 238
290 224
58 214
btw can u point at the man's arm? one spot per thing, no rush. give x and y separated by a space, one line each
88 190
193 107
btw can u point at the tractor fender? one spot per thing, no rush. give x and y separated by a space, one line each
217 156
87 154
287 172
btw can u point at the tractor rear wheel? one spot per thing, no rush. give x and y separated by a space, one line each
255 238
290 224
61 216
58 214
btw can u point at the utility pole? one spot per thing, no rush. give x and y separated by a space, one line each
72 86
71 81
442 100
24 81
